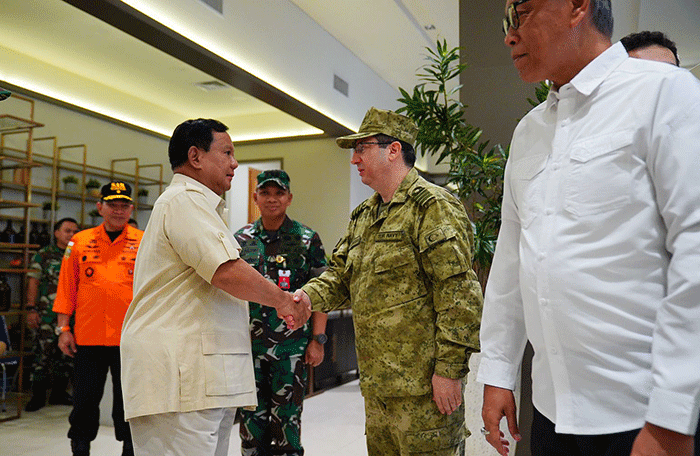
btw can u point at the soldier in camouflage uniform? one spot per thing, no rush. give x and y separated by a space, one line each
49 363
405 266
288 254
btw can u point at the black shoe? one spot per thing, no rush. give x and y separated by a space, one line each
60 399
80 447
37 401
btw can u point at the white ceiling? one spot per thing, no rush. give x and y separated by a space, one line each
390 36
54 49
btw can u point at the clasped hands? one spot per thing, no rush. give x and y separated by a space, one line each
295 310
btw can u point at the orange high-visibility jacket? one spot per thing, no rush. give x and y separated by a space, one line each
96 283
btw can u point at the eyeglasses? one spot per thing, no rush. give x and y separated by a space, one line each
359 147
512 19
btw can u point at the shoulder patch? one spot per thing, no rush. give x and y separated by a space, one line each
66 254
355 213
422 195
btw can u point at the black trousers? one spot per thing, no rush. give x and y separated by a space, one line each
546 442
90 375
697 440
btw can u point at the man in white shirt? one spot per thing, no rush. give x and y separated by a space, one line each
185 348
597 257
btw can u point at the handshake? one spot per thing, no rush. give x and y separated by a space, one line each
295 310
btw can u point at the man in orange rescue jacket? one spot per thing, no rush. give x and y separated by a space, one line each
96 283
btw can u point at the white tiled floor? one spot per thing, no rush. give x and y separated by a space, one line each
333 423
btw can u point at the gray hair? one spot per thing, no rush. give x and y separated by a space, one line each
601 13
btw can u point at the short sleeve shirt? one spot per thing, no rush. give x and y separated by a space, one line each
185 343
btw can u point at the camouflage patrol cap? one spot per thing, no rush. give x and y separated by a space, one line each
379 121
276 176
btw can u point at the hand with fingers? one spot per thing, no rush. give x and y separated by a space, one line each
294 313
67 345
447 394
301 299
499 403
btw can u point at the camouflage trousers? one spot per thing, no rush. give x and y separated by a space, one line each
412 425
49 363
274 428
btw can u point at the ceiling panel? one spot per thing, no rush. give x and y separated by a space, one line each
390 36
87 53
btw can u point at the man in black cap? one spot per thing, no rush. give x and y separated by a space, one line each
95 283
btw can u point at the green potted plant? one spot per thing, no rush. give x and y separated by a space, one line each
476 170
46 209
93 187
94 217
70 183
143 195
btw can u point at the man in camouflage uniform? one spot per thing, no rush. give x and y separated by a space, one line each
405 266
288 254
49 362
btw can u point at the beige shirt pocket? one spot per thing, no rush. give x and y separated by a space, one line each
228 364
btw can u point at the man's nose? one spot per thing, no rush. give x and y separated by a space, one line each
511 37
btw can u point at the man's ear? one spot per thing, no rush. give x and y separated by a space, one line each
579 9
194 156
394 150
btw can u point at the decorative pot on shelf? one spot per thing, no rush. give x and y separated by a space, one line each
70 187
20 176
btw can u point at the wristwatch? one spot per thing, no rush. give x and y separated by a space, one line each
61 329
320 338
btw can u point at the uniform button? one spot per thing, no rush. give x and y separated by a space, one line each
549 211
543 302
541 256
221 235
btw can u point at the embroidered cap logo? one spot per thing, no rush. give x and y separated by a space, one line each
118 187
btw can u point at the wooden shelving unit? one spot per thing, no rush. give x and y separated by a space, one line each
20 160
20 191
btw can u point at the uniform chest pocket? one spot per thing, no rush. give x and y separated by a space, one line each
392 257
527 186
600 177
